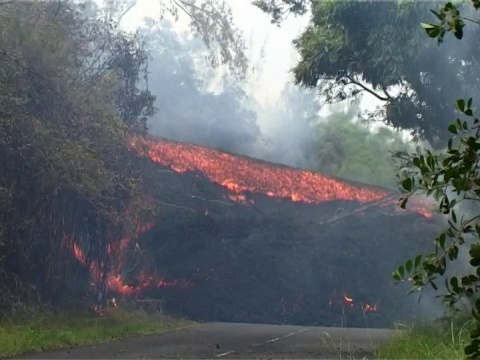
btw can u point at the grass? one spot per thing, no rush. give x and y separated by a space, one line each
52 331
428 341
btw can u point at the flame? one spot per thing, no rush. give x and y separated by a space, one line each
115 282
348 300
240 174
369 308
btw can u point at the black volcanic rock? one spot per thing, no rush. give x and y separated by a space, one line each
278 261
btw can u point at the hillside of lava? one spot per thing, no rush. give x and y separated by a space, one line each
238 239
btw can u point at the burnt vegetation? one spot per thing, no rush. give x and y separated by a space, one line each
85 216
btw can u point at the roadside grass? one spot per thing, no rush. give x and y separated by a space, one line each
428 341
45 331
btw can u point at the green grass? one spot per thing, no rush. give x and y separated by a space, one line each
52 331
428 341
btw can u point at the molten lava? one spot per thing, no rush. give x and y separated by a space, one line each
115 282
240 175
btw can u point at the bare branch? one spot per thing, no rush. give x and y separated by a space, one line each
378 96
126 11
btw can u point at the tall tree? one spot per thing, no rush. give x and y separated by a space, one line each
346 148
66 175
370 47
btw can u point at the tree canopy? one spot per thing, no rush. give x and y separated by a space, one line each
346 148
69 90
353 47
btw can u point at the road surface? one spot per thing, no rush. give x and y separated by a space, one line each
236 341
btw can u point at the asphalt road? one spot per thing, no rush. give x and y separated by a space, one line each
236 341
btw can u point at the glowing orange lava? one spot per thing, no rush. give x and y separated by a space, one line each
115 282
241 174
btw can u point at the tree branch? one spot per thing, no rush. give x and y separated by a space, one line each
378 96
126 11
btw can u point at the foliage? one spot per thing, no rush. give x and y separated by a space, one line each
73 89
68 92
212 20
422 341
347 149
452 177
353 47
358 44
280 9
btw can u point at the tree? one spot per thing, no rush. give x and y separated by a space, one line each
372 47
451 176
66 173
347 149
210 20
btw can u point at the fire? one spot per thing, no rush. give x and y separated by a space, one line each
240 174
115 282
349 301
369 308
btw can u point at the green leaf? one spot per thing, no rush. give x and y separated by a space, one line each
454 283
407 184
432 30
475 262
416 161
450 142
409 265
458 31
460 103
441 241
453 129
475 251
417 261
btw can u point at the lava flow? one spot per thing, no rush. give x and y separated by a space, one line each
241 174
115 281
